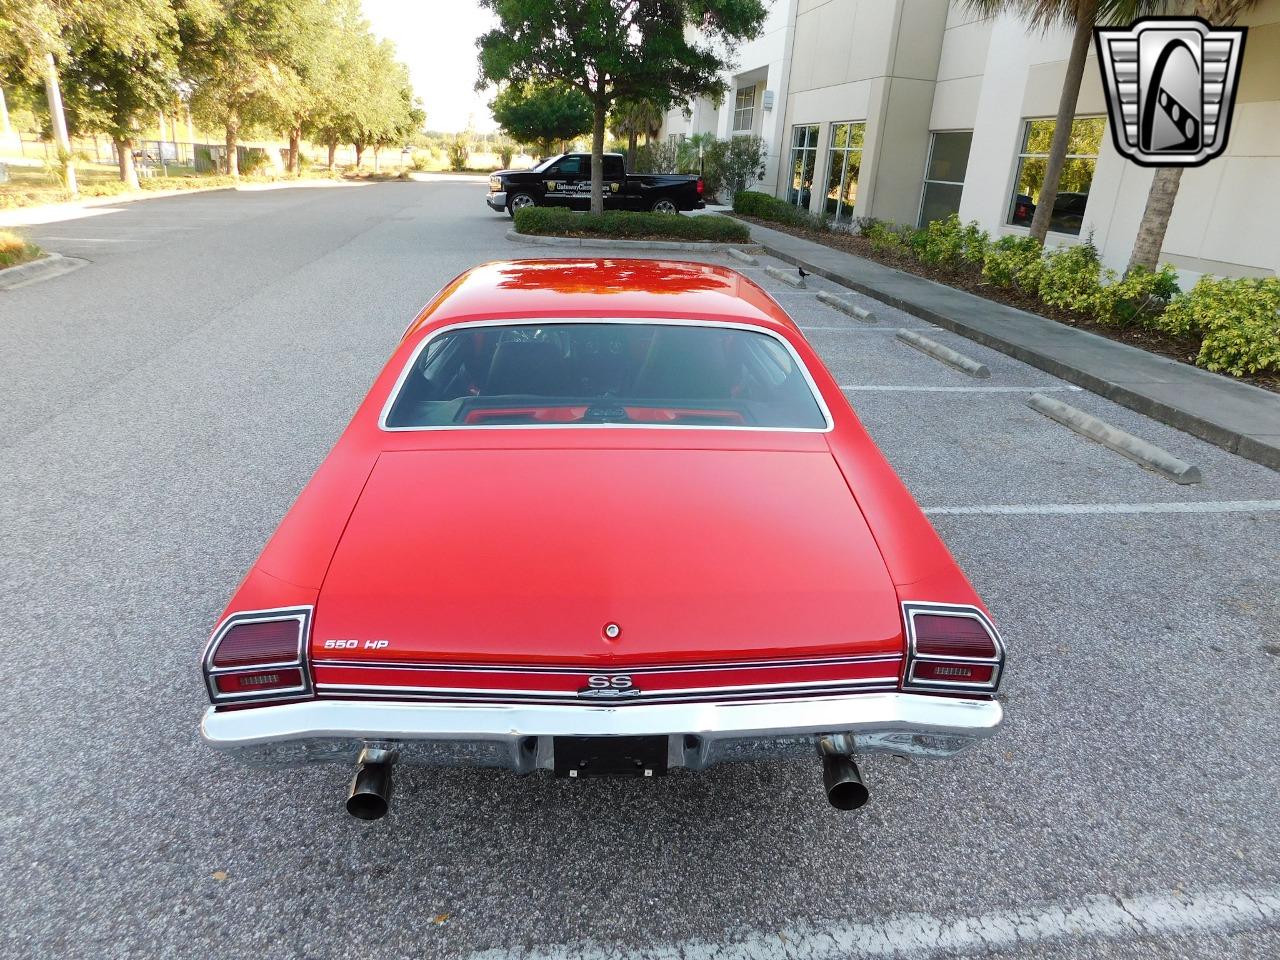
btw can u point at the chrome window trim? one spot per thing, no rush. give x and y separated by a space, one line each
302 614
912 608
638 321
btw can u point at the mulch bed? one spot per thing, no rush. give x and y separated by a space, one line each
1184 349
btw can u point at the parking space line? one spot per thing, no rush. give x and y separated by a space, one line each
890 388
921 935
1059 509
852 329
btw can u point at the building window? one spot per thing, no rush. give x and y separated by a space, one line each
675 138
804 158
944 176
744 107
844 161
1077 173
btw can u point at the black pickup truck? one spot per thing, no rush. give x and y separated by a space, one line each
565 181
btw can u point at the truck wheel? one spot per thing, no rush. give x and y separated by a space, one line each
519 202
665 205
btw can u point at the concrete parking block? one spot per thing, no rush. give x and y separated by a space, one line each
844 306
1145 454
945 354
786 276
743 256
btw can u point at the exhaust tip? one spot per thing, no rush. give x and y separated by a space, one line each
843 782
370 794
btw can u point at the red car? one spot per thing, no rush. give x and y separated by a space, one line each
602 517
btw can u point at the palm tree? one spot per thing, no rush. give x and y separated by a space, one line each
1164 185
1081 16
630 119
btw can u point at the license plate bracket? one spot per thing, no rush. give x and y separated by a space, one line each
610 756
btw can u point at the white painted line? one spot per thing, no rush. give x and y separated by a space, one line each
922 935
1059 509
1143 453
891 389
948 356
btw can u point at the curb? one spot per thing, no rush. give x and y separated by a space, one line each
1140 451
1241 443
844 306
601 242
948 356
46 268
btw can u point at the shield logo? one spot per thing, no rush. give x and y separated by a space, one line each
1171 83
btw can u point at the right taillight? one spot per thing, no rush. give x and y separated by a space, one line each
951 647
259 655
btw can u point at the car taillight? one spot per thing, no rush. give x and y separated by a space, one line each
701 186
259 655
951 647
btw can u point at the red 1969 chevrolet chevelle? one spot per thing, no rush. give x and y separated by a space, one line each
602 517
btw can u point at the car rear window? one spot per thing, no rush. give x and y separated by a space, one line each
592 374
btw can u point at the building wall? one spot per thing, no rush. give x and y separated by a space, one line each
764 63
872 61
911 67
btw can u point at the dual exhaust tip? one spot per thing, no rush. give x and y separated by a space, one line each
370 795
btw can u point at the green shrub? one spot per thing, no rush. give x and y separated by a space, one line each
753 203
949 243
1014 261
1238 321
1137 298
888 237
625 224
15 250
1071 277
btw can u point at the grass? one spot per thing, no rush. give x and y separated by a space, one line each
15 250
627 225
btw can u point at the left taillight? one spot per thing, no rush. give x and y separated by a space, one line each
259 655
701 186
951 647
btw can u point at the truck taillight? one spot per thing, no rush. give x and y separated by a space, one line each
701 186
951 647
259 655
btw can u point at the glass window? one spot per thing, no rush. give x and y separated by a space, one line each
804 158
944 177
844 161
1077 173
588 374
744 104
568 167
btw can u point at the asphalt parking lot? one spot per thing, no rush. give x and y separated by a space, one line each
163 406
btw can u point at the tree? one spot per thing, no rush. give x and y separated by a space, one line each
542 114
633 118
1081 16
235 56
460 150
114 77
31 41
1164 185
616 49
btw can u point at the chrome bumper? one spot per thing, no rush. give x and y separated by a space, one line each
521 737
497 201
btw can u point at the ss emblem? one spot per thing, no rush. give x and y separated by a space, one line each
604 682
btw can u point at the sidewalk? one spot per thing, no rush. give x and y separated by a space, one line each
1235 416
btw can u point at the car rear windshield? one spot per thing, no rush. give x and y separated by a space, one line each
641 374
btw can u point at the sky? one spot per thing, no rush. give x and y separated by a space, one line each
436 40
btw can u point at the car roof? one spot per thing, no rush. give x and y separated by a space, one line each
604 288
